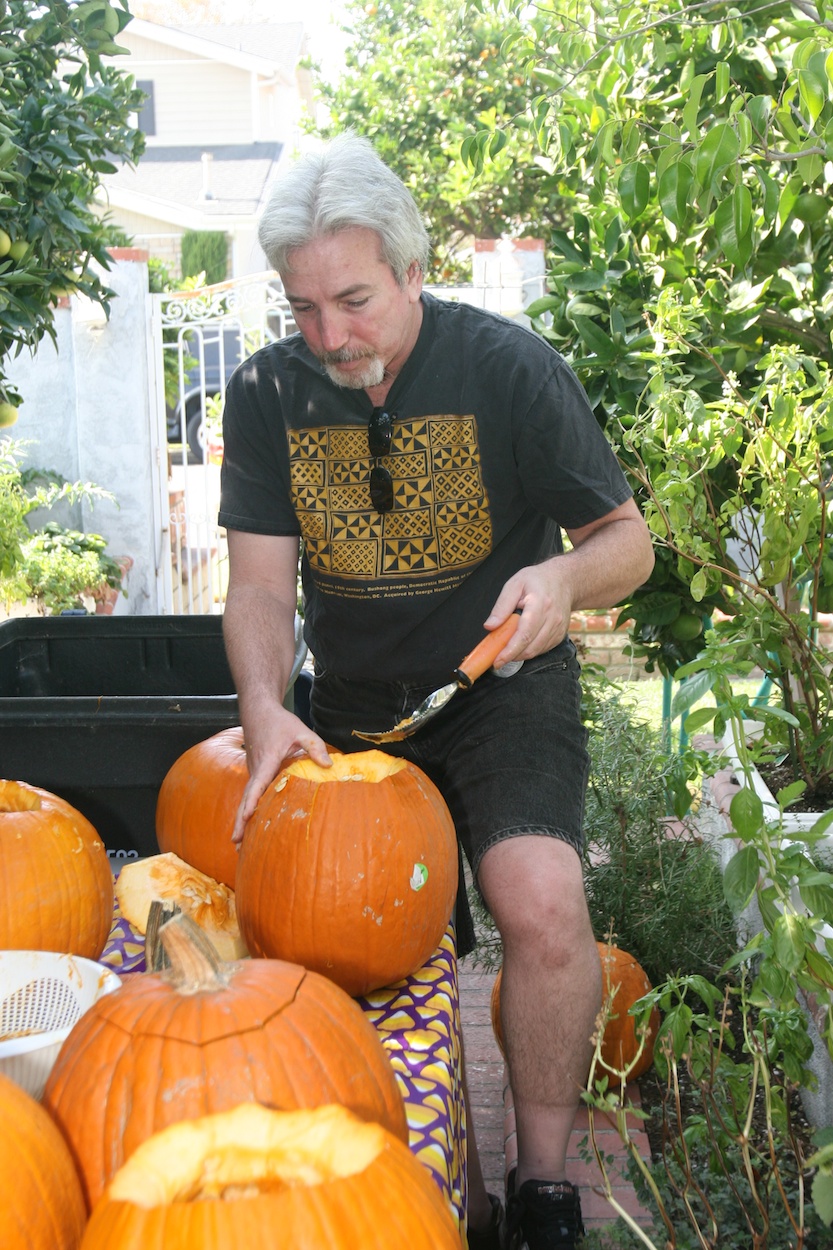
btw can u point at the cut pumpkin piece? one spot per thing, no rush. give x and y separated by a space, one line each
167 878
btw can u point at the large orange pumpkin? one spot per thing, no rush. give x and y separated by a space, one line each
626 981
203 1037
41 1204
303 1180
198 801
349 870
56 884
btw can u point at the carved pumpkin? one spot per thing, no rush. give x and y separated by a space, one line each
198 801
620 1042
349 870
201 1038
56 884
168 878
317 1180
41 1204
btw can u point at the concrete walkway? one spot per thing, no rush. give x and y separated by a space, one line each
494 1122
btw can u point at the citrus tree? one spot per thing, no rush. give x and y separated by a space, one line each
421 74
690 146
64 117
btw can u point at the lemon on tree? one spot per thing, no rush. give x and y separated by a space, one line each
8 415
5 243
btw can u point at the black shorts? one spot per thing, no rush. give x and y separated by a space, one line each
509 755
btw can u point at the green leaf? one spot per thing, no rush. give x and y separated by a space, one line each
587 280
787 201
674 191
733 226
791 793
699 586
595 338
695 721
812 92
634 188
715 154
691 691
562 243
820 966
788 936
543 305
758 110
823 1196
740 879
692 105
658 608
746 812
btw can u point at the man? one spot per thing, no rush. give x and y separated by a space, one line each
428 455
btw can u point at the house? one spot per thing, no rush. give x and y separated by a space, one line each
222 112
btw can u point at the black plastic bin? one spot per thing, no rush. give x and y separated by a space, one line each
96 709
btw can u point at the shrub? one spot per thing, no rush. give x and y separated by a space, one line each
205 252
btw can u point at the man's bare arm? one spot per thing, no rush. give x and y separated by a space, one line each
259 634
609 559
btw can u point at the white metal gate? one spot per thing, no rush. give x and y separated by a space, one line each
198 338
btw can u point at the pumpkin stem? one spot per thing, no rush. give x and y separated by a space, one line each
161 910
195 964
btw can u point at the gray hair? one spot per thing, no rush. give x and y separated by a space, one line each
340 187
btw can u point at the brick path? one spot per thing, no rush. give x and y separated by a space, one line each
493 1121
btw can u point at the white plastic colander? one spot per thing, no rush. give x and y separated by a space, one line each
42 995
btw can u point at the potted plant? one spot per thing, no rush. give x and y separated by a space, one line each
50 568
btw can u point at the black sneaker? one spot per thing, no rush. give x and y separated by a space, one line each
543 1215
489 1238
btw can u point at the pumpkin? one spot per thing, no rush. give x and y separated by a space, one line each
626 981
56 884
167 877
278 1180
202 1037
349 870
198 801
41 1203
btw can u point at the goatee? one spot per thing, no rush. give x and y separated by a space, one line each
370 374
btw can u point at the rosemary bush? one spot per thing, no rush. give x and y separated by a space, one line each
657 892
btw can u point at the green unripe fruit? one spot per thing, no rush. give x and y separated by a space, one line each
5 243
686 627
811 208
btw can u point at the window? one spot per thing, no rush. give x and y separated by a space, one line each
146 117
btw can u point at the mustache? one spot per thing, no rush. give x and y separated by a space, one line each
344 356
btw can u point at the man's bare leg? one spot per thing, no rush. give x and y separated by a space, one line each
550 991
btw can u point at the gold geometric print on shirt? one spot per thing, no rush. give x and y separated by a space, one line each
439 522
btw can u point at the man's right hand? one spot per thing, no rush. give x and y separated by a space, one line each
273 737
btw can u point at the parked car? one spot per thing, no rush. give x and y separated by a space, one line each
204 356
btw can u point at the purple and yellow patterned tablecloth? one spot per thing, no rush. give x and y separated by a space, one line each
418 1021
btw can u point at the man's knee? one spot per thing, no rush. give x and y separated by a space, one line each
534 889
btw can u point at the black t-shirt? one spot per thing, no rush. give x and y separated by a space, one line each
494 449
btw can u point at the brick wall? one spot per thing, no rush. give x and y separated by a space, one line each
598 642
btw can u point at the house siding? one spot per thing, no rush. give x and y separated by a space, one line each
197 101
205 101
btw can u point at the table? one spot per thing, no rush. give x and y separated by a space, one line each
418 1022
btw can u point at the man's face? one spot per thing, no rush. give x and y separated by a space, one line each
350 309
